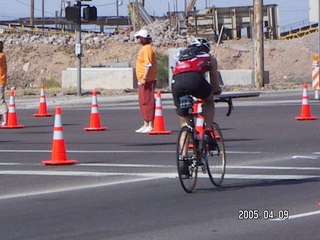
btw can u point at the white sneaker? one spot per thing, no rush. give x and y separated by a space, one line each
140 130
3 123
147 129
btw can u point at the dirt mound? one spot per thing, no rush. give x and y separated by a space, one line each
32 61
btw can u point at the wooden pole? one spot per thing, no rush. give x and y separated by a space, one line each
31 12
258 43
42 15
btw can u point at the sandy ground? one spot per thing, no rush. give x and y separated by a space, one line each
289 62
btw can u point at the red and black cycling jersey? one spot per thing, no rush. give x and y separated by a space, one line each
200 63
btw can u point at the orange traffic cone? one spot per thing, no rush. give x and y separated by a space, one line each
43 112
195 111
158 125
95 116
59 154
200 119
12 115
305 107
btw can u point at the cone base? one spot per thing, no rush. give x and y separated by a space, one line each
95 129
43 115
305 118
59 162
13 126
159 132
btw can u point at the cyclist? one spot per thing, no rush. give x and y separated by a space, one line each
189 79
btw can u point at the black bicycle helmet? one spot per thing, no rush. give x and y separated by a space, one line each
201 43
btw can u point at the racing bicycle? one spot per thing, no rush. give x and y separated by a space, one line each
194 152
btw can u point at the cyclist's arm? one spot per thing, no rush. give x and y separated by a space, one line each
214 77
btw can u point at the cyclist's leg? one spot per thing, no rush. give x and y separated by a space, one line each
186 160
208 110
204 91
181 85
206 94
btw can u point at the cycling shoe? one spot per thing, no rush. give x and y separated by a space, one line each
212 143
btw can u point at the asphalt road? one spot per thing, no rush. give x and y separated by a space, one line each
125 185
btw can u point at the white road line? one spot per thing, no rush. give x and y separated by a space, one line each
124 165
14 164
143 177
85 151
110 151
301 215
173 166
152 175
84 173
65 189
269 177
273 168
305 157
133 177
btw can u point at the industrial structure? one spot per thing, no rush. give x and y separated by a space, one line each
213 23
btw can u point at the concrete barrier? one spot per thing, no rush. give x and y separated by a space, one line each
99 78
240 77
124 77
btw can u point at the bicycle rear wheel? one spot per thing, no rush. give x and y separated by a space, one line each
216 163
186 159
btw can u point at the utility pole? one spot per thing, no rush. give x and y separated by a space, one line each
258 43
79 48
73 14
117 8
42 15
31 12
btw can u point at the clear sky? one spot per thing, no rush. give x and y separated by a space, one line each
290 11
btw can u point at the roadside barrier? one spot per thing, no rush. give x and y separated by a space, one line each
59 153
159 123
12 115
197 109
315 75
95 124
43 112
200 119
305 107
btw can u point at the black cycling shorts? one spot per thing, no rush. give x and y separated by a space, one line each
189 83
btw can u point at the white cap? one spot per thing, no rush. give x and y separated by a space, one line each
142 33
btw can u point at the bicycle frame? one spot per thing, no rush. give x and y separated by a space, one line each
198 134
193 150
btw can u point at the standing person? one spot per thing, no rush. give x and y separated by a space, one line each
146 72
189 79
3 82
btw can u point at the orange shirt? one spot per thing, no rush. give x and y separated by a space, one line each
3 69
146 57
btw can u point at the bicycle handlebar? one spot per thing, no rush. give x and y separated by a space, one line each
227 99
187 101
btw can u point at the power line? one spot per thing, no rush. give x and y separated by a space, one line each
28 6
25 4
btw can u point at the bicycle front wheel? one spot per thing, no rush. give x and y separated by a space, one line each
216 163
186 160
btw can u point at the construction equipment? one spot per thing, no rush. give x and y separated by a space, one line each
190 6
138 15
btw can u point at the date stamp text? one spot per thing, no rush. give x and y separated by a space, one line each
255 214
